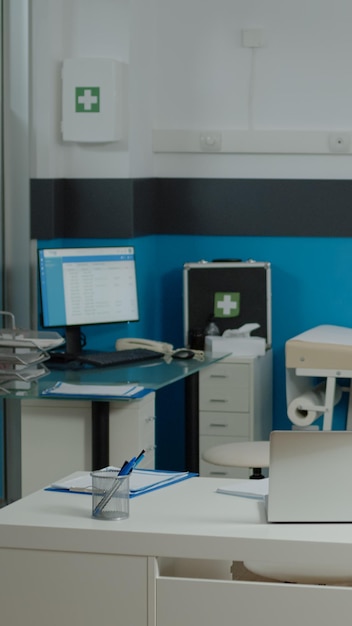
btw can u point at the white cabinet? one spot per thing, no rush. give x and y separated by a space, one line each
169 564
72 588
56 437
132 429
235 404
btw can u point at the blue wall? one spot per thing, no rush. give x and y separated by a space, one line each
311 285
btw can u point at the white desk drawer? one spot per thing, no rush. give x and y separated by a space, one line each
224 424
225 387
195 602
234 374
224 398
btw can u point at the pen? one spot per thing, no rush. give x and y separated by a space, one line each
125 470
130 465
123 466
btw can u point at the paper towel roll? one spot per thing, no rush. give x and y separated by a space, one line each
301 411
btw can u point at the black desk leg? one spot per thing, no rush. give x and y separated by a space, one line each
100 434
192 423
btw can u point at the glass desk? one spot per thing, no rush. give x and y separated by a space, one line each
151 375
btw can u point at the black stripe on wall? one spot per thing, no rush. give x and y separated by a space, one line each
97 208
103 208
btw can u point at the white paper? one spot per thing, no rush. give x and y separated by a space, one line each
70 389
140 480
250 488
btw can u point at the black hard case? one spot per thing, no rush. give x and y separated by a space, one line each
251 279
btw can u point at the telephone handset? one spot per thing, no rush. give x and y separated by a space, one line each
129 343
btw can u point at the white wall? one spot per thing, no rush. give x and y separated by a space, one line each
116 29
188 71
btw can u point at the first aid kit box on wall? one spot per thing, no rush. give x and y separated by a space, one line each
92 97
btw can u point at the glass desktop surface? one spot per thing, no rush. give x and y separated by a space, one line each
151 375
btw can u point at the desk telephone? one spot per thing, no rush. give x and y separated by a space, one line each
148 344
159 346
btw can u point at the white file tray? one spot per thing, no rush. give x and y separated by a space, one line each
27 374
16 338
30 339
20 358
21 380
22 353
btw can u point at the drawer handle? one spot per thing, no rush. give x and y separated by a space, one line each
218 425
152 418
218 473
218 376
218 400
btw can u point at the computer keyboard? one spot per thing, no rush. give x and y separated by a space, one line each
119 357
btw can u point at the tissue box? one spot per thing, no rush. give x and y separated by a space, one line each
241 346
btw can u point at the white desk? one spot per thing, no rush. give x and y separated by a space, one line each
151 375
167 565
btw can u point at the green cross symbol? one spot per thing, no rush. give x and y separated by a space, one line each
226 304
87 99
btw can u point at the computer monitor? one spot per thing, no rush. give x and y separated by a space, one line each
82 286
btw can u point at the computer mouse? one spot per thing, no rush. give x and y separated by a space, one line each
183 353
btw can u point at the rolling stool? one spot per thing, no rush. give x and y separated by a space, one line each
251 454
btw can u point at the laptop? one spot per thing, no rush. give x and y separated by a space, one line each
310 476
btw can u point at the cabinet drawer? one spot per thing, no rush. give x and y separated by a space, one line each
224 424
195 602
224 398
234 374
225 387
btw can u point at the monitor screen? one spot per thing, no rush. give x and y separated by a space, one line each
80 286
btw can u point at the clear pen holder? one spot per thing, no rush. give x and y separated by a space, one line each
110 495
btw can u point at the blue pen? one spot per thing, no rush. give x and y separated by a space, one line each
128 467
139 458
122 468
124 471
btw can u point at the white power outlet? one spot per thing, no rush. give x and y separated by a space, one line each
210 141
339 143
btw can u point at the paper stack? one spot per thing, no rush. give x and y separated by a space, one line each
257 489
141 481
